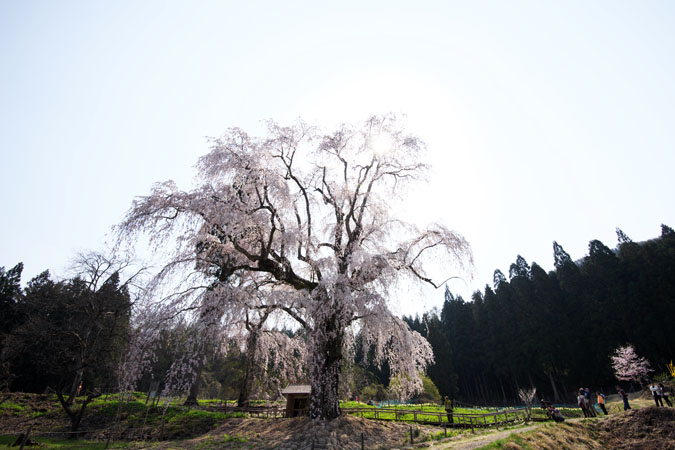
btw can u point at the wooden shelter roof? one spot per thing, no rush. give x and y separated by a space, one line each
297 389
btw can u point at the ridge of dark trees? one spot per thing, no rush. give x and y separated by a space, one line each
556 331
64 337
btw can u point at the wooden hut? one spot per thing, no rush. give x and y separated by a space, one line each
297 399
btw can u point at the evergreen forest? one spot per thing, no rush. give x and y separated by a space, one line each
556 331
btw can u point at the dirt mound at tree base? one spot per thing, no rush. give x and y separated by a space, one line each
299 433
646 428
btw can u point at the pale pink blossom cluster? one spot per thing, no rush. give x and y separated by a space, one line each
628 366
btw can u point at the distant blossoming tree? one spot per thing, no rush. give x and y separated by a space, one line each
527 395
628 366
306 218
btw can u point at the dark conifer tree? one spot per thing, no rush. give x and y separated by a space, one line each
10 293
519 269
621 236
498 278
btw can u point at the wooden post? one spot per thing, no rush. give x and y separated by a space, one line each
161 432
107 442
25 438
411 435
362 442
145 419
445 430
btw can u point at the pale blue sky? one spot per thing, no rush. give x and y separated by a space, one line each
545 120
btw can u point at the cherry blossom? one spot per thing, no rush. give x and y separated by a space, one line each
298 225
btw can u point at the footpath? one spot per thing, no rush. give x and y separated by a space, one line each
473 442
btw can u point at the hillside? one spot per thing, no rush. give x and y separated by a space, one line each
649 428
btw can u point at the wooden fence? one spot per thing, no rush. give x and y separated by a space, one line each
460 420
463 420
253 411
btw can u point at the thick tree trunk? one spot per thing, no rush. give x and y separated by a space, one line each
479 390
556 397
487 395
191 399
325 370
75 416
249 370
567 392
501 385
75 386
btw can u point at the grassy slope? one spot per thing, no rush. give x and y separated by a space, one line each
136 420
571 435
139 422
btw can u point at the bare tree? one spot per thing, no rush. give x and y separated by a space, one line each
527 395
311 215
95 267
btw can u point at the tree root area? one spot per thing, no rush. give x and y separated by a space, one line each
345 432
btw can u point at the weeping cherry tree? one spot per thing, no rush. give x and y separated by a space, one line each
308 216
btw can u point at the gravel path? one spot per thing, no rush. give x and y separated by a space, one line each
479 441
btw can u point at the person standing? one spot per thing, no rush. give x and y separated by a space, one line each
581 400
587 402
624 397
447 403
655 393
665 394
601 402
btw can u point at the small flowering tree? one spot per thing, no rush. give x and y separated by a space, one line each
628 366
306 217
527 395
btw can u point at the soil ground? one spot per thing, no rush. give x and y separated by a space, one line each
646 428
292 433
